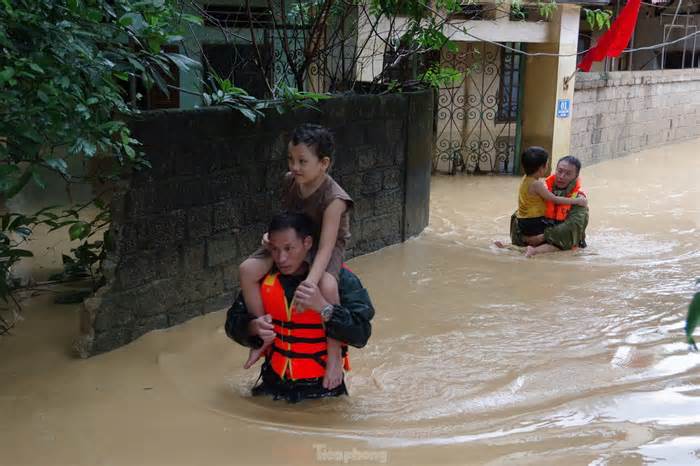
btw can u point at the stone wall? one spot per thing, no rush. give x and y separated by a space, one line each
622 112
180 229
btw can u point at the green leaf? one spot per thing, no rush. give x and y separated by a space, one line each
64 82
37 179
249 114
133 20
14 253
130 152
192 19
6 74
8 171
13 188
160 82
79 230
21 253
94 15
58 225
183 62
155 44
37 68
601 20
18 221
136 64
90 149
59 165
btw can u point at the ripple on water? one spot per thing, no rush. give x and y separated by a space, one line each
673 451
474 344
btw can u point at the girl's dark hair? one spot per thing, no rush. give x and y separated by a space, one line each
533 158
317 137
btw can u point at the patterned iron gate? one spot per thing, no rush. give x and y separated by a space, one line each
479 117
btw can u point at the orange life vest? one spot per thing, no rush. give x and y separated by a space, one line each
559 212
299 349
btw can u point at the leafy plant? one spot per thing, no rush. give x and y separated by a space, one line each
86 259
225 93
15 229
516 10
547 9
438 77
288 98
598 18
65 71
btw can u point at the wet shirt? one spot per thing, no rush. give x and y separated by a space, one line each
529 205
316 204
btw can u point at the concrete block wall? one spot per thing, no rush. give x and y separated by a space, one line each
181 228
622 112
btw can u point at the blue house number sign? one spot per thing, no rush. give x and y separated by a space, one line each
563 108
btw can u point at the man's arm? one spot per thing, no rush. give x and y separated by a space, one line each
350 321
571 231
539 188
237 324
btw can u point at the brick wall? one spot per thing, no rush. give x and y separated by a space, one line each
181 229
624 112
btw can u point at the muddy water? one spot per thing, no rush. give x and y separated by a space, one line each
479 356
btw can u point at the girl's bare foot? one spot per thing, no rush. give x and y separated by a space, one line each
334 372
254 355
530 251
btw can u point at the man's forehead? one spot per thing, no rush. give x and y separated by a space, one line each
564 165
288 235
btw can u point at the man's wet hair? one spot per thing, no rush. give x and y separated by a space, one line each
301 223
533 158
317 137
570 159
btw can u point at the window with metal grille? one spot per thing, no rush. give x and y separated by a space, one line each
509 86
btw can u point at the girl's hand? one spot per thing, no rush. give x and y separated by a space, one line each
265 242
308 296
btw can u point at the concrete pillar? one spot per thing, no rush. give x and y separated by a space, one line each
568 17
544 85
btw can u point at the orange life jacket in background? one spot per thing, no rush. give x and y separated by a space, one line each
299 349
559 212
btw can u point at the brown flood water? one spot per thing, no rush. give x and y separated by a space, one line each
479 356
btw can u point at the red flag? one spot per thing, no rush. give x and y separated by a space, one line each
614 41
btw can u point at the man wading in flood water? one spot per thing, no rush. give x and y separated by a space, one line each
295 367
